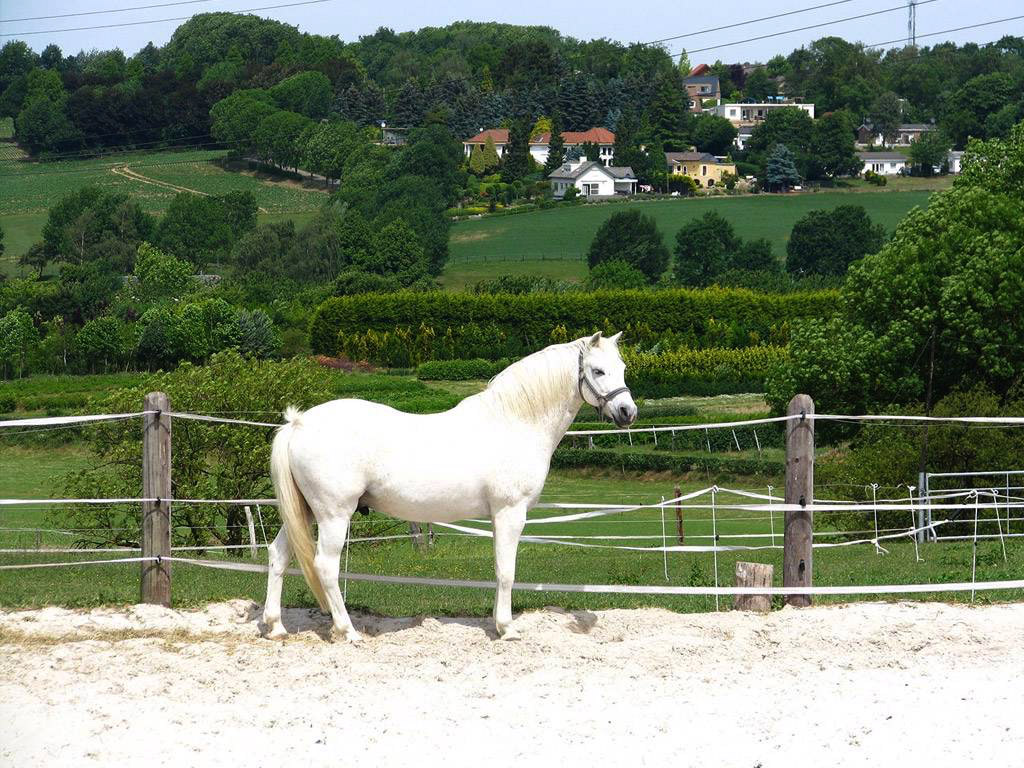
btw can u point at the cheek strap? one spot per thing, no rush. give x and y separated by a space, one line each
602 399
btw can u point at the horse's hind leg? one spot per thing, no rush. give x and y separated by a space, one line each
329 544
280 552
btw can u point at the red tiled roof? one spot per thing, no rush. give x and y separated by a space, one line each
595 135
499 135
700 69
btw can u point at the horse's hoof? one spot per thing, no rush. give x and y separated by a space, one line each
276 632
349 636
509 633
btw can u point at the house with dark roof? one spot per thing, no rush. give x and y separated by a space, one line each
592 179
703 168
700 88
906 134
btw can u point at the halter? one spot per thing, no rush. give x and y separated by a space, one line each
602 400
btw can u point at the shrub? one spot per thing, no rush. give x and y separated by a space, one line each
568 458
827 242
693 317
460 370
700 371
615 274
631 237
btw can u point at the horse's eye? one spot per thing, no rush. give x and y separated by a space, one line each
598 372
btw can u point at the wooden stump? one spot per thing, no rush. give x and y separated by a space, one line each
753 575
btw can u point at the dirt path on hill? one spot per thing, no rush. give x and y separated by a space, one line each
862 684
127 173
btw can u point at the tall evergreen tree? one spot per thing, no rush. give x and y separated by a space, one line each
517 154
409 106
669 116
626 150
556 146
780 169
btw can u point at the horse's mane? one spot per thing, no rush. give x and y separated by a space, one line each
530 388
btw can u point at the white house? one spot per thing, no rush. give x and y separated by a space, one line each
477 143
752 113
593 179
883 163
602 137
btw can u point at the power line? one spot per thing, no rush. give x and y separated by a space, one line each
112 10
750 21
156 21
947 31
800 29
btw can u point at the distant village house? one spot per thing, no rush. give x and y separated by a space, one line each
883 163
601 137
591 178
701 86
703 168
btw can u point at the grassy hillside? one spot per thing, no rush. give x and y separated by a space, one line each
151 178
553 243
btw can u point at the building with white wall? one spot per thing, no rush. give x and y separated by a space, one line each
593 179
752 113
883 163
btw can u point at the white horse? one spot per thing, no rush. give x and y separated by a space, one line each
487 456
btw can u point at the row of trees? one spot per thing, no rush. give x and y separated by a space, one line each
629 250
469 75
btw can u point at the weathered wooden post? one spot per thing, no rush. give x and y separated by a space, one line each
798 538
156 485
680 533
753 575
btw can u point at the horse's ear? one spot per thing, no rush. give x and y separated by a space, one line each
595 339
615 339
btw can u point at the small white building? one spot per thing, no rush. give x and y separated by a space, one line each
953 159
752 113
593 179
883 163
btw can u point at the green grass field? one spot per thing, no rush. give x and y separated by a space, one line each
553 243
29 189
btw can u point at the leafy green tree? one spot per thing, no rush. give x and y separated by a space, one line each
780 169
195 228
329 146
758 86
615 275
34 258
517 162
630 237
42 125
886 115
591 151
235 118
755 256
279 138
353 280
966 110
788 125
937 302
827 242
396 250
308 93
832 151
18 339
929 152
704 249
161 277
711 133
83 219
490 155
103 344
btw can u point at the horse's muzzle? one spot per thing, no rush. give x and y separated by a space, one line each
623 415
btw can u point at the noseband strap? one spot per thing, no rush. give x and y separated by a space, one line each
602 399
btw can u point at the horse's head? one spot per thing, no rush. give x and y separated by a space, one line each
602 379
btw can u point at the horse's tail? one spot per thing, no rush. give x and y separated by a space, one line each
292 506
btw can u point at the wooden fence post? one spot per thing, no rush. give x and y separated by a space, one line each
753 575
680 533
798 538
156 484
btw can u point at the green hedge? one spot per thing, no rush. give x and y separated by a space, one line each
573 458
700 371
460 370
697 318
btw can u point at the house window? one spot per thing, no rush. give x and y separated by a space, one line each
705 89
703 170
591 189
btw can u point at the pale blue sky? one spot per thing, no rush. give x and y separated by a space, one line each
627 22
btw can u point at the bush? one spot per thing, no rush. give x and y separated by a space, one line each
615 274
827 242
460 370
875 178
572 458
698 318
631 237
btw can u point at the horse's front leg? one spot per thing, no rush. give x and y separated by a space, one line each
508 526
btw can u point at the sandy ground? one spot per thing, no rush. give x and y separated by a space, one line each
864 684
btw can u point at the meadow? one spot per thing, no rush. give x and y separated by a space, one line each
553 243
152 179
